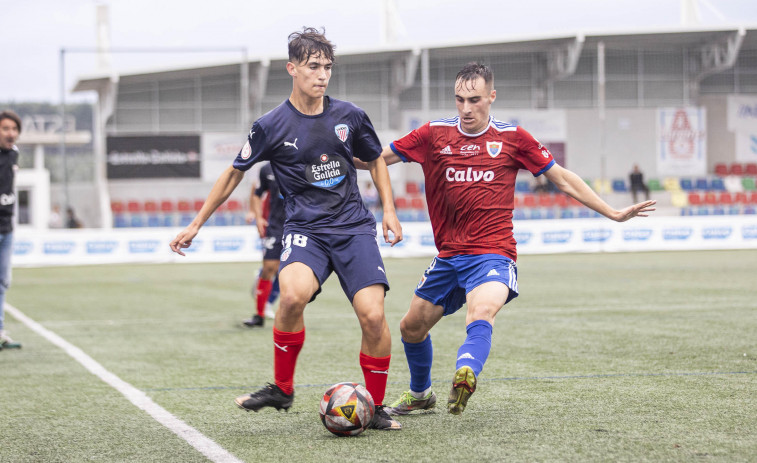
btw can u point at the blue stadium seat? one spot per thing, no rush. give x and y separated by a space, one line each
717 184
518 214
686 184
522 186
153 221
119 221
137 221
701 184
567 213
619 185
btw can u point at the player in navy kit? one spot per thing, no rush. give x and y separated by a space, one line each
310 140
270 227
470 163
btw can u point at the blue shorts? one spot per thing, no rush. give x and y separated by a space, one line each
447 281
272 247
354 258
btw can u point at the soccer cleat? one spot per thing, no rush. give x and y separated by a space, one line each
254 322
463 385
407 403
270 396
382 420
7 343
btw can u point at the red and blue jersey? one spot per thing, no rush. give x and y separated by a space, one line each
311 158
470 181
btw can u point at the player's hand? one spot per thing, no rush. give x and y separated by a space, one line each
183 240
637 210
249 217
390 222
262 224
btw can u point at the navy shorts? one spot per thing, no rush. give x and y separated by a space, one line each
354 258
447 281
272 247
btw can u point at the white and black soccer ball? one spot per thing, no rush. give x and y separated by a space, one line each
347 409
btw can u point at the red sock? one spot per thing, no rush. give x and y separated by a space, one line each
262 293
286 348
376 373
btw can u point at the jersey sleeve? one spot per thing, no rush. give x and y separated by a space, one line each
366 145
534 156
414 146
254 149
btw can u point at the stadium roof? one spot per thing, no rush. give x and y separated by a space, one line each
657 39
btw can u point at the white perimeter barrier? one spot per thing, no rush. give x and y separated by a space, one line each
241 244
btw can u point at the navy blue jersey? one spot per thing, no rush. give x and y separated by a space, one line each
8 166
276 214
311 157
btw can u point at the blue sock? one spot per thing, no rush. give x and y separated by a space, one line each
475 349
419 356
274 290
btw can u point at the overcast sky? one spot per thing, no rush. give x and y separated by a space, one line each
34 31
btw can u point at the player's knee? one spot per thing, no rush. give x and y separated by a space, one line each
293 301
410 331
372 321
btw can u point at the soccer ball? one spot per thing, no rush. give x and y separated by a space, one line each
347 409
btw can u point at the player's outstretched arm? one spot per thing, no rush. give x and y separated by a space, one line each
224 186
390 222
390 157
570 183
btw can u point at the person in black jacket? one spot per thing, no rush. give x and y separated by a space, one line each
10 128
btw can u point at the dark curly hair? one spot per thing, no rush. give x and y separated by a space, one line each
309 42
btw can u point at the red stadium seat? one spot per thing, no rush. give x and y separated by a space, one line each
737 169
710 198
117 207
417 203
721 169
695 199
546 200
184 206
150 206
752 198
166 206
133 206
529 200
561 200
741 198
198 204
233 205
411 188
725 198
750 169
401 203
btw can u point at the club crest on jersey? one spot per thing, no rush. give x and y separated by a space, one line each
493 148
246 150
342 131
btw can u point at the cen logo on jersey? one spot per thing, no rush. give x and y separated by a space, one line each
327 172
470 150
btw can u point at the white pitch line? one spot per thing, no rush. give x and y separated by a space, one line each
193 437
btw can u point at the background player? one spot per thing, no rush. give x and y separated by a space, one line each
270 226
470 163
310 140
10 128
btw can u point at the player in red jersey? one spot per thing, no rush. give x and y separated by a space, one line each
470 163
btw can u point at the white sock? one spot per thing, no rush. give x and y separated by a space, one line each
420 395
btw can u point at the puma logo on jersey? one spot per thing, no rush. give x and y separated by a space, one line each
282 348
293 144
382 270
468 175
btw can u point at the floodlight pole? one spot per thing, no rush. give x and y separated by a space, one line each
62 58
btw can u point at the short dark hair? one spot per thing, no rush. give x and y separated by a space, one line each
8 114
309 42
474 70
